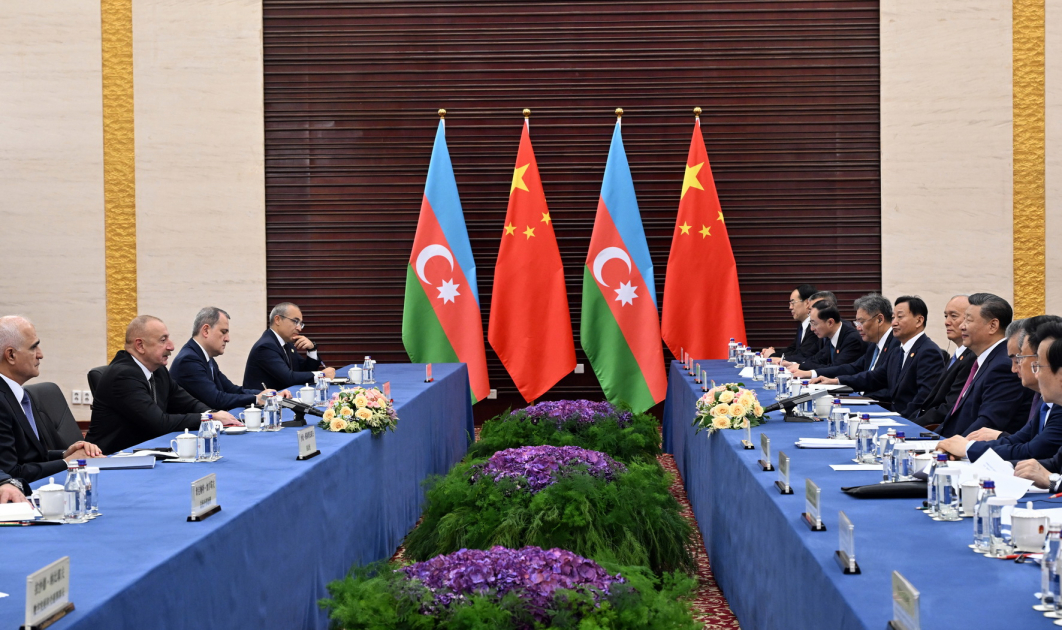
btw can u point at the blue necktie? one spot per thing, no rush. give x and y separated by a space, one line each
953 360
874 359
1043 415
28 409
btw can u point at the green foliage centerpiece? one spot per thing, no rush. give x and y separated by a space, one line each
549 496
597 426
509 589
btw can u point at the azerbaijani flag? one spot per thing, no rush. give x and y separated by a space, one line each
441 321
620 327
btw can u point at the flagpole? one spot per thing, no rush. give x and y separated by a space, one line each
619 114
527 117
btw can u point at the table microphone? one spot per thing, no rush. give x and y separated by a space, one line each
301 409
789 403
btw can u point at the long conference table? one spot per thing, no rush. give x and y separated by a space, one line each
285 530
777 573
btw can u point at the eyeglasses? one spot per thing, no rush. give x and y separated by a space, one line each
299 324
1035 368
794 302
1018 358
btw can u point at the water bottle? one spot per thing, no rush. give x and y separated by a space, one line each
271 422
757 367
940 461
808 406
731 351
997 545
897 457
980 519
205 442
74 510
320 388
886 456
740 353
1049 582
782 383
835 431
86 486
947 482
768 375
748 357
367 374
867 443
92 493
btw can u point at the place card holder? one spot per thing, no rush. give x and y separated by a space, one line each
905 610
812 497
845 554
307 443
747 442
48 595
427 374
765 453
783 474
204 498
697 374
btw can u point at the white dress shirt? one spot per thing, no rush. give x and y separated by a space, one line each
907 346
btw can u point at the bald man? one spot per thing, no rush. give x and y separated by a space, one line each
24 434
136 400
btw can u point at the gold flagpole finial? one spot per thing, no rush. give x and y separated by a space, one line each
619 112
442 114
696 112
527 113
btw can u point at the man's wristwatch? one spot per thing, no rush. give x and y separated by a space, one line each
1053 482
14 482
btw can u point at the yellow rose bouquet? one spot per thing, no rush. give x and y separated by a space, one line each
728 406
353 410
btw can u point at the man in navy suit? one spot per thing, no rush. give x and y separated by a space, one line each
841 343
992 395
874 323
275 360
805 343
1041 437
196 370
1047 365
912 369
23 434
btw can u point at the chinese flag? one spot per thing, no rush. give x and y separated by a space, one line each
702 300
530 324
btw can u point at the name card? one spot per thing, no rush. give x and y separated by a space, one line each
765 452
204 498
427 373
48 594
783 474
307 443
904 604
387 391
697 374
846 545
812 497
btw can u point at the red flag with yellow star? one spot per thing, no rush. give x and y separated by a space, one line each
530 324
702 299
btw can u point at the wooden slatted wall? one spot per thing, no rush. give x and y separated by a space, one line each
791 122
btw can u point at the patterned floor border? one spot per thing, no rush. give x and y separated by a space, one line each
709 606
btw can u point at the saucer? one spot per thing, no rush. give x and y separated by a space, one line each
235 430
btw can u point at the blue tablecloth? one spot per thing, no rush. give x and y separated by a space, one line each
776 573
285 530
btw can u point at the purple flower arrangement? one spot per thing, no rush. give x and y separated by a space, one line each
581 411
532 573
543 465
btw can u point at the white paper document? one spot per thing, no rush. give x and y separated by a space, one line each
855 466
856 401
10 512
116 462
880 414
824 443
745 372
991 466
885 422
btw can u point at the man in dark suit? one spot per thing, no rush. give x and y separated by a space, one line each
24 435
910 370
942 397
1041 437
275 360
874 323
136 400
992 395
841 343
1044 473
196 370
805 344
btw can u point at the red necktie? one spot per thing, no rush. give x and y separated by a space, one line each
969 379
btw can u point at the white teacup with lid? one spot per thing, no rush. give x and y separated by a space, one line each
306 394
53 499
185 445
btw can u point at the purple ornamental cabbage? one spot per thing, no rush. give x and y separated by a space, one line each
532 573
542 466
581 411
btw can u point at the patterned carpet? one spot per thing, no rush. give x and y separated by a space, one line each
709 606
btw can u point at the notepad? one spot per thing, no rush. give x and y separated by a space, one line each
126 462
11 512
824 443
855 466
